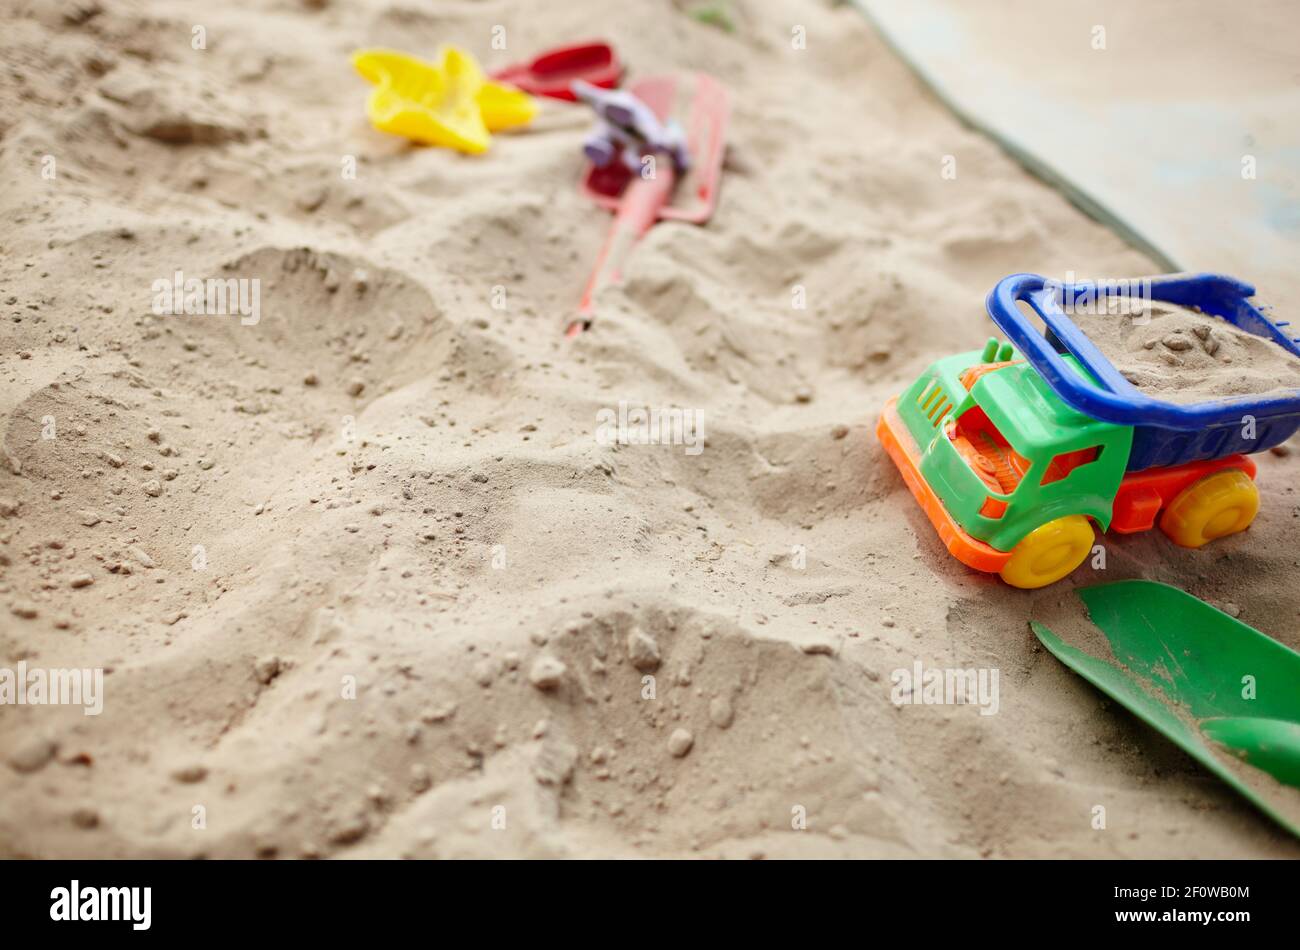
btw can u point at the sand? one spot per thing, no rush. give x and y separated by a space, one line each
1184 356
361 576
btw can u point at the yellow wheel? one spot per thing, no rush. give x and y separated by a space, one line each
1217 505
1049 552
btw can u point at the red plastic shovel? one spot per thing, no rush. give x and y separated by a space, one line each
700 104
553 72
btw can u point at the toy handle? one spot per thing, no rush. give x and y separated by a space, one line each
638 209
1216 294
1107 395
1037 347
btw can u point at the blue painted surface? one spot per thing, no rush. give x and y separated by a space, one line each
1162 169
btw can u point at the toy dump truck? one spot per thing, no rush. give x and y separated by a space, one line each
1015 452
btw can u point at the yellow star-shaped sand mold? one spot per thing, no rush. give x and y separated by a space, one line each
448 103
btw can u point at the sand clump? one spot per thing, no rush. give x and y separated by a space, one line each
1182 355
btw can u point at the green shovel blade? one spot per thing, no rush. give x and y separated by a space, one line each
1235 688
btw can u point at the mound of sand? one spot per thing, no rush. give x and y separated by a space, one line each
1185 356
362 578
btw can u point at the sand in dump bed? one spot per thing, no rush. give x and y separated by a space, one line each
1182 355
364 580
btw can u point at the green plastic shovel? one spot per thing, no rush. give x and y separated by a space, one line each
1204 679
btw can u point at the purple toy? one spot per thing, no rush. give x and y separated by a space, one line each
627 129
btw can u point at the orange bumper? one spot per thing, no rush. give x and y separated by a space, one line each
902 448
1142 494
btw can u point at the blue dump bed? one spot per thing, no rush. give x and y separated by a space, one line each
1164 433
